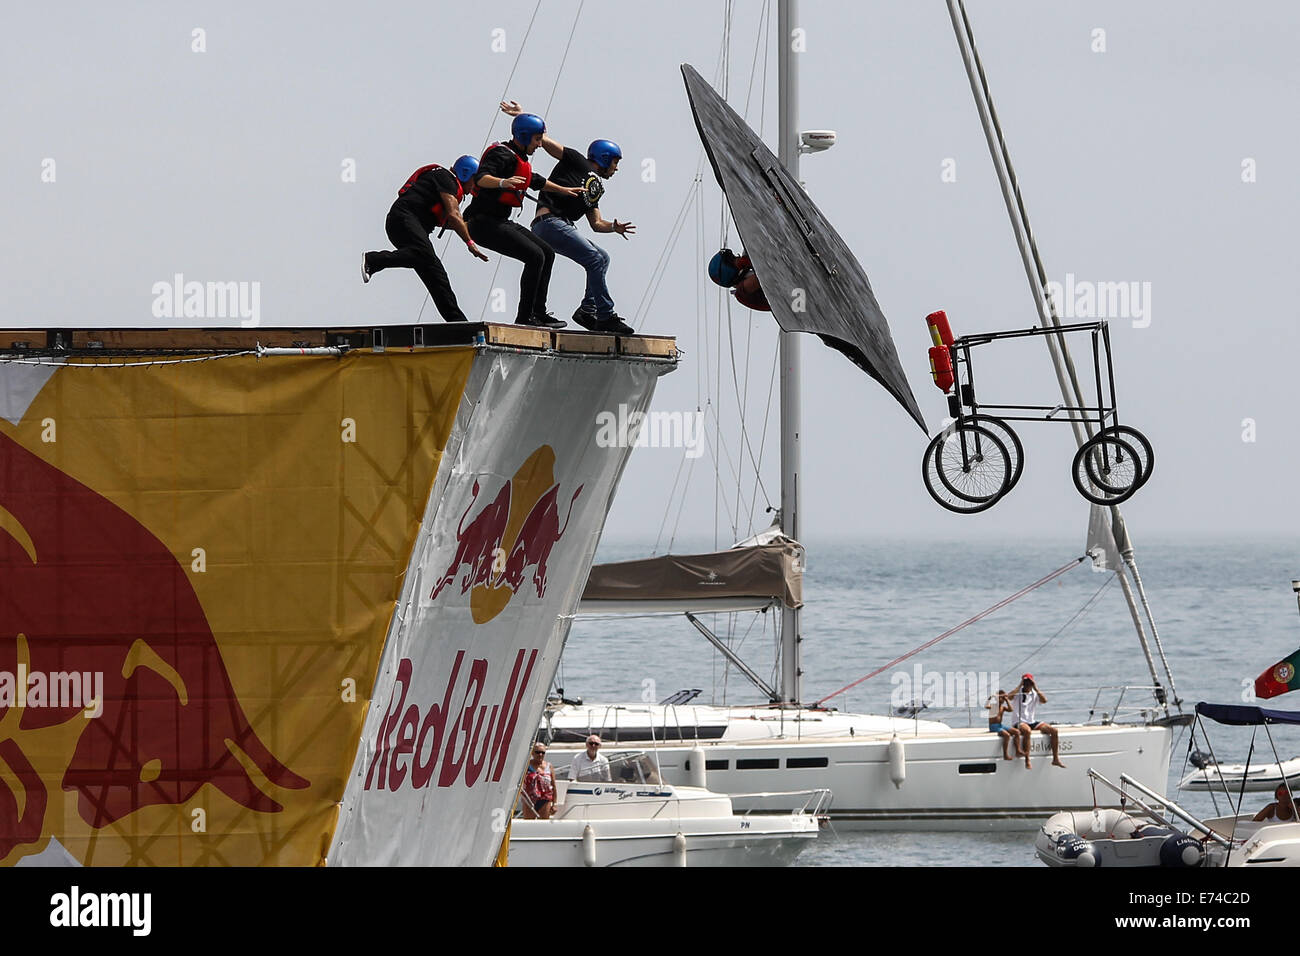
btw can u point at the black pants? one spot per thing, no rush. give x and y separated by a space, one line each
513 240
415 251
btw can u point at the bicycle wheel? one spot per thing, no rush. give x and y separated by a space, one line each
971 482
972 462
1146 454
1111 465
1009 438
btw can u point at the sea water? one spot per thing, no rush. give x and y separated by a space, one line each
1225 611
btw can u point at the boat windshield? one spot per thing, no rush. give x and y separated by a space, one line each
628 767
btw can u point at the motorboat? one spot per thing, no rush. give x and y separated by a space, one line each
1237 776
636 819
1157 832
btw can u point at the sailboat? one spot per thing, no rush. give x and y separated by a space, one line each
884 771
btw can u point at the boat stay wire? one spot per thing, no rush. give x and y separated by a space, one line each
953 630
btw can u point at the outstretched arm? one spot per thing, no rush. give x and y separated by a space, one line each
599 224
511 108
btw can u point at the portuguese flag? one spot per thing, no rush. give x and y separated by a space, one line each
1279 678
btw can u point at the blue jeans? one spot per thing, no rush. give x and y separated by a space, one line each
562 236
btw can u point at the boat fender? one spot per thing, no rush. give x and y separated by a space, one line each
588 846
897 763
679 849
1180 850
1070 847
695 768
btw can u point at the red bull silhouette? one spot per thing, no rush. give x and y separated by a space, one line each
85 586
537 536
478 544
19 827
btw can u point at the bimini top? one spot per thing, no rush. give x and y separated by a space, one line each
808 274
748 577
1246 715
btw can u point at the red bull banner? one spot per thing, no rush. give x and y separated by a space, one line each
199 566
499 567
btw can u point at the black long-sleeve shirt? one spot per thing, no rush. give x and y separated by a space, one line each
500 161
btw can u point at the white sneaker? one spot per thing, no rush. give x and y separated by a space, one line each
365 273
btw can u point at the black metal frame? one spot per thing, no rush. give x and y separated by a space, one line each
963 393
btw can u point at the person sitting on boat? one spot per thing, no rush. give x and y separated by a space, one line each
430 199
998 705
1282 809
591 765
539 786
557 214
736 272
1024 706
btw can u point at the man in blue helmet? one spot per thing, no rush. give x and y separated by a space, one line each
557 215
430 199
504 173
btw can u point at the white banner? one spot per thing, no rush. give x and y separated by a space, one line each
503 555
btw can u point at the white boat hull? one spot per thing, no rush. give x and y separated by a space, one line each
758 841
1260 777
644 823
955 779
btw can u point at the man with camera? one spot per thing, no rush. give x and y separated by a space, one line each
1024 704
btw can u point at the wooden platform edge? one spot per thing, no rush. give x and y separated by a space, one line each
118 340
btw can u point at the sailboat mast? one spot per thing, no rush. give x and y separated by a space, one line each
791 686
1066 375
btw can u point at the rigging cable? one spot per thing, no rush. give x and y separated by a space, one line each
1074 618
487 136
1045 305
951 631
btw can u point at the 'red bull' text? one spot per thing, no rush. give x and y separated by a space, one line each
459 738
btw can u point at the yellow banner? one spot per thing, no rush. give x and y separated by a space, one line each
198 567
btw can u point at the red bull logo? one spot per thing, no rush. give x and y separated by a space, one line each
420 749
512 533
85 587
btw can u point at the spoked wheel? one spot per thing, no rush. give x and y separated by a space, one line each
1146 454
1009 438
1107 470
967 469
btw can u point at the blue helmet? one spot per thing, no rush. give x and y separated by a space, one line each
723 269
603 152
465 168
526 126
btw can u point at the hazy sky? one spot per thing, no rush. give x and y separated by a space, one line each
232 163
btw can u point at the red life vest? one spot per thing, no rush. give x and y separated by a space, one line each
511 197
439 213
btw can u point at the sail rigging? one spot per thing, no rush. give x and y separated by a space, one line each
1067 377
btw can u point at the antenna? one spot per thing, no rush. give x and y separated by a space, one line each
816 140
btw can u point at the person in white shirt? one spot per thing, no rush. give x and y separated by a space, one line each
1024 706
591 765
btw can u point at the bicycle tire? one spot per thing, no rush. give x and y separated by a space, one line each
1086 472
1146 454
1009 438
967 459
940 486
